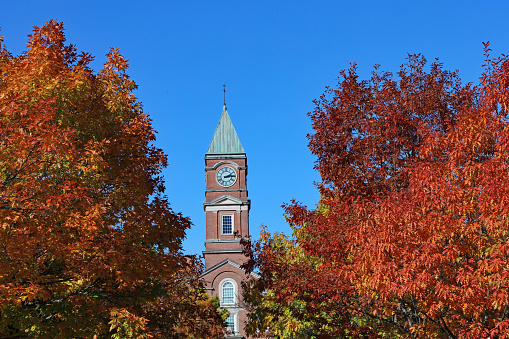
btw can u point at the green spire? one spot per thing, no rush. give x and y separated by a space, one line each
225 139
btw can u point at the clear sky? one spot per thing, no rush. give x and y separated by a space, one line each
274 56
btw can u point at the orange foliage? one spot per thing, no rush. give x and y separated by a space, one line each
411 233
86 235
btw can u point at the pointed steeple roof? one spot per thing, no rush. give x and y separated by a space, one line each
225 139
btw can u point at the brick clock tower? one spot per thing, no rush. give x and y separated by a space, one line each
227 216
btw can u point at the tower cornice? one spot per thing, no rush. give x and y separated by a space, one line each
226 156
225 162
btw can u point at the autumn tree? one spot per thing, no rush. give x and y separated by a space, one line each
410 236
89 246
184 310
289 299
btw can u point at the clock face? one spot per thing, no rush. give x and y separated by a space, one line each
226 176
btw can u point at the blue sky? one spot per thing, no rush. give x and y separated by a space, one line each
274 56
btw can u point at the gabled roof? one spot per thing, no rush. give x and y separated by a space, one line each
224 262
226 200
225 139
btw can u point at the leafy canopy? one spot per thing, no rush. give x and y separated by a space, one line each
410 237
88 242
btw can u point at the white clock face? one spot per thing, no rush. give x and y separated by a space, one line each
226 176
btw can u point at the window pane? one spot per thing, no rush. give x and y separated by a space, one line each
228 293
230 323
227 224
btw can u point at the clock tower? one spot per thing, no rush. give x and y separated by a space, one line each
227 220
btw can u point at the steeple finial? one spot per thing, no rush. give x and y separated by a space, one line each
224 94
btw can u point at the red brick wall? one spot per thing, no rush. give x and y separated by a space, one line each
240 225
213 280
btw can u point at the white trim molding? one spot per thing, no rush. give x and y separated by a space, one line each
224 262
226 202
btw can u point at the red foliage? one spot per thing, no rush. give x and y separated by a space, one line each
413 220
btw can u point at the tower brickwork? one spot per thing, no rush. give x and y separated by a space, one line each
226 208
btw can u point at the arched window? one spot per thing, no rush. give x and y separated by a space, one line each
228 293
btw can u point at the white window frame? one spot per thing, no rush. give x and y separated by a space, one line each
234 315
235 292
232 215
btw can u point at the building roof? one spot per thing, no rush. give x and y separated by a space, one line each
225 262
225 139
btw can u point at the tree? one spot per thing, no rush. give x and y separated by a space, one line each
410 237
185 311
288 300
88 241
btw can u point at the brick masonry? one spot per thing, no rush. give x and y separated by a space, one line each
223 253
